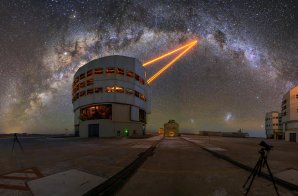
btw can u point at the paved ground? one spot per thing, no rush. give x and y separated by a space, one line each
102 157
283 156
179 167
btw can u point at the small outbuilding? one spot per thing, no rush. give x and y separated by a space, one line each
161 131
171 129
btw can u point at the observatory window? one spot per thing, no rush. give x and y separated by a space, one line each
89 73
76 80
110 70
97 90
137 94
142 115
82 76
98 71
110 89
120 71
76 88
89 82
130 74
119 89
82 85
137 77
82 93
89 91
96 112
142 97
130 91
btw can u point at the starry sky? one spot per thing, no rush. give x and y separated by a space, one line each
245 61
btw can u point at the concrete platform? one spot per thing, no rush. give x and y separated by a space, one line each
290 175
72 182
100 157
179 167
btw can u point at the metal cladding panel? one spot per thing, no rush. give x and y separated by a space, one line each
134 113
105 79
121 113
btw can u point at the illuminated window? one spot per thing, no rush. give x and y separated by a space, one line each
89 91
130 91
98 90
120 71
109 89
130 74
75 88
82 76
96 112
98 71
110 70
89 73
89 82
82 93
82 85
137 77
142 97
76 80
118 89
137 94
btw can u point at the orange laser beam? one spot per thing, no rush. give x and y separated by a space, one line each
169 64
169 53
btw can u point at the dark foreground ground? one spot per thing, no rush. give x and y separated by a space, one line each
178 167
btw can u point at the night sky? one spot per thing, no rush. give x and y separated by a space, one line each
245 61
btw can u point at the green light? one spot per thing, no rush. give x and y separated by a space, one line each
126 131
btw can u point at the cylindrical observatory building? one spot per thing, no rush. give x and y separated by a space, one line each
111 98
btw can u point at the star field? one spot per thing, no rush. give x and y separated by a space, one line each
245 61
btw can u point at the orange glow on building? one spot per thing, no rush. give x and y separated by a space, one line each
170 63
169 53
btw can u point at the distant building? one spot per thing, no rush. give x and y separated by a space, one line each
111 98
273 125
289 112
160 131
171 129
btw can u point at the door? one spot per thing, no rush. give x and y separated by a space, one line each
292 137
93 130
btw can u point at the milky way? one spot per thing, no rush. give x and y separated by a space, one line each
245 61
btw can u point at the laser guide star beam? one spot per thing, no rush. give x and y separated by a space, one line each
186 48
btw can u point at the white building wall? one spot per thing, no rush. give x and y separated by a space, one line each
273 125
290 113
121 102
